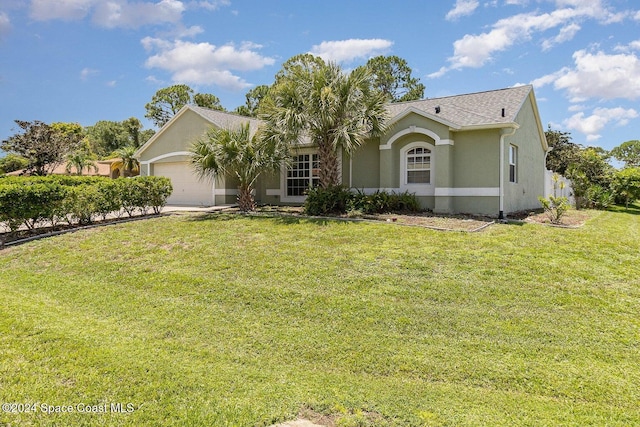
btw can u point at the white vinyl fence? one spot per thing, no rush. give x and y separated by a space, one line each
558 187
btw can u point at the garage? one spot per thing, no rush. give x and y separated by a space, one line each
187 188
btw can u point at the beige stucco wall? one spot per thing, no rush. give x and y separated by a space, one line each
177 137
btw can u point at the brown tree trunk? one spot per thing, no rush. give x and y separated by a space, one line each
245 199
328 173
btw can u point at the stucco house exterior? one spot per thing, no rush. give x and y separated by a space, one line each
478 153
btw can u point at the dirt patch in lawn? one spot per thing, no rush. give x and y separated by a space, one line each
571 219
467 223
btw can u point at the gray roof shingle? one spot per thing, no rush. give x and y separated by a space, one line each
467 110
473 109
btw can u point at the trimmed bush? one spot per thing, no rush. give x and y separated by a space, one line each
341 200
26 201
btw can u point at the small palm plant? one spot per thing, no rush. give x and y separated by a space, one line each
79 160
128 164
223 152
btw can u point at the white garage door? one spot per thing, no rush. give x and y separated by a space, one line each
187 188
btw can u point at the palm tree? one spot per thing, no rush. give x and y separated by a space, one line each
127 164
225 152
79 160
334 110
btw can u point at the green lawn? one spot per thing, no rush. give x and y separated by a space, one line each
245 321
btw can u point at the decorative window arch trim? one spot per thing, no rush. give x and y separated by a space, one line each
418 189
414 129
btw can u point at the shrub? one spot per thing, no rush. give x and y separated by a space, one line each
29 200
323 201
340 200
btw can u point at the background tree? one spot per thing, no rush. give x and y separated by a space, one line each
127 164
106 137
235 152
80 160
591 176
207 100
253 99
563 151
43 145
626 184
392 75
168 101
12 162
319 101
628 152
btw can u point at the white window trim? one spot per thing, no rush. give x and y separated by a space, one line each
282 191
513 152
418 189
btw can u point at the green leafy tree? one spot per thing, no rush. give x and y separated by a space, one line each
12 162
207 100
106 137
320 102
628 152
392 75
168 101
590 176
44 146
626 184
563 152
235 152
253 99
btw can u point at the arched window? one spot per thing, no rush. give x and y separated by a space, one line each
418 166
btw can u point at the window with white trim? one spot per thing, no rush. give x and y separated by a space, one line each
513 163
302 174
418 166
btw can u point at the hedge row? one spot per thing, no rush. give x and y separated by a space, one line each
52 200
340 199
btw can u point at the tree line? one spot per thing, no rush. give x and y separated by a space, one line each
39 147
595 181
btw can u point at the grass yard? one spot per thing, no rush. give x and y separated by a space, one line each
225 320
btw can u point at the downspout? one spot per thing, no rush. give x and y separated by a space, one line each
503 133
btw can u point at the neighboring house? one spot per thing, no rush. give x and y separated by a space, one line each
480 153
111 168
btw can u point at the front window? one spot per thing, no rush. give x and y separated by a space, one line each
302 174
419 166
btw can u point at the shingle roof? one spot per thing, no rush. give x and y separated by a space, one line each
225 120
473 109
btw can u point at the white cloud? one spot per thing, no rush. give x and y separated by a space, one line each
121 13
210 4
592 125
87 72
204 63
599 75
5 25
566 33
462 8
475 50
68 10
349 50
110 13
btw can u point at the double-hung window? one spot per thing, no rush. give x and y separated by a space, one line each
302 175
513 163
418 166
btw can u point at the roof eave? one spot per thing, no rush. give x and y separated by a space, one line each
424 114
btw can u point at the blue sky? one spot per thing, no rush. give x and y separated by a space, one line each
88 60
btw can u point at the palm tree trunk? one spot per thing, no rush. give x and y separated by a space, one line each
245 198
328 173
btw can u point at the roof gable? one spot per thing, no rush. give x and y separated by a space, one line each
496 108
220 119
